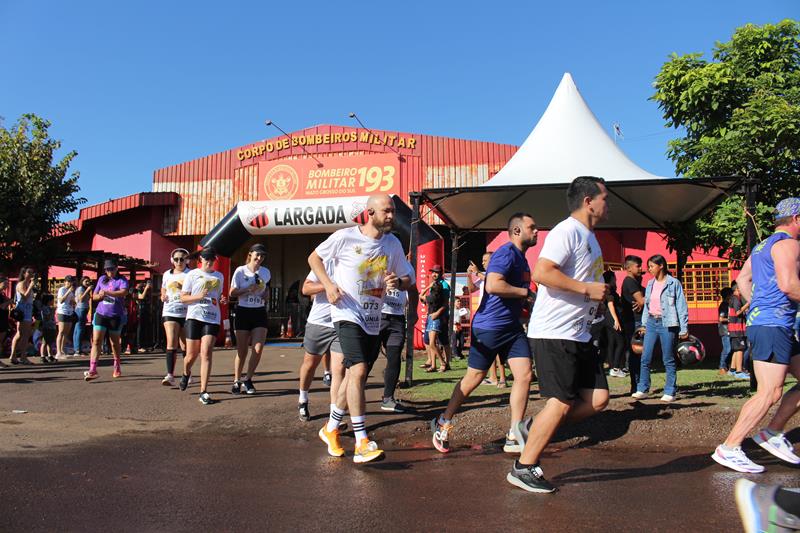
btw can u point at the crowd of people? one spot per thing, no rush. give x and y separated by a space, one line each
564 331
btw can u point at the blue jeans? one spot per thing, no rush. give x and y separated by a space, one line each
667 336
726 351
80 327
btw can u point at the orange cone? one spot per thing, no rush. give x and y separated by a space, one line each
283 332
289 330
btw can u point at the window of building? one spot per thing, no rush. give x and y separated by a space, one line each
702 282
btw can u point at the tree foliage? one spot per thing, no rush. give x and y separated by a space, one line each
34 192
740 115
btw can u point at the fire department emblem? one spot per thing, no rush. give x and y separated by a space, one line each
281 183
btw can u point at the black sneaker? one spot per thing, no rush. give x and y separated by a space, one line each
530 478
205 399
302 410
184 382
326 379
237 387
392 405
247 387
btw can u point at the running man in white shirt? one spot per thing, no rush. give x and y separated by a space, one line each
368 260
569 272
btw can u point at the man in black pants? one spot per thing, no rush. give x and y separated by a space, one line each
393 338
631 312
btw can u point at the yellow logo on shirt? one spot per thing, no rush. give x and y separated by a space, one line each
212 284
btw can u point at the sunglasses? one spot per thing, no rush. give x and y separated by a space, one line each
179 259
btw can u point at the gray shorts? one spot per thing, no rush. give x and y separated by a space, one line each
319 339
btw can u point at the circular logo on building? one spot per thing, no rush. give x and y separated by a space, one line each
281 183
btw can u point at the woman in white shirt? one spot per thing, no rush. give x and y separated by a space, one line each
249 285
173 311
202 293
65 314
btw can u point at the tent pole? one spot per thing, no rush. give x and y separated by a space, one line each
454 235
413 293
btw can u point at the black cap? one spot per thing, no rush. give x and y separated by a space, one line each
69 278
208 253
258 248
109 263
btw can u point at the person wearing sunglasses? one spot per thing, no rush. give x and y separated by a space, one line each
23 301
249 286
109 293
202 293
173 312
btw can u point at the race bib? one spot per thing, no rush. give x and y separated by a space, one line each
109 299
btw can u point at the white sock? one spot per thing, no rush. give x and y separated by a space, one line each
335 418
359 427
303 396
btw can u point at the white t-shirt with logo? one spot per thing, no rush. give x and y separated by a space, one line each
320 313
359 266
173 284
244 278
67 305
394 303
207 309
559 314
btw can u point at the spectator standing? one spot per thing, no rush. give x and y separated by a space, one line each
82 298
5 303
23 301
722 329
737 315
631 312
614 338
65 313
48 329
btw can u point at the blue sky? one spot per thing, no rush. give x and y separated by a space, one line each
138 86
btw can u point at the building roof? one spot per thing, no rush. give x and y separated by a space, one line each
125 203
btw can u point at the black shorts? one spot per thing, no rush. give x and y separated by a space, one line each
250 318
179 319
49 335
357 346
738 344
393 330
70 319
112 324
564 367
197 329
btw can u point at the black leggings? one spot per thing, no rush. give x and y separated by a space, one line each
392 372
615 347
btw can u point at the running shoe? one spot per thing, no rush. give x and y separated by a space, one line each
393 406
117 372
668 398
736 460
616 373
89 376
512 445
440 435
777 445
236 388
639 395
331 438
367 451
302 409
168 381
247 387
741 375
326 379
530 478
758 511
205 399
520 431
185 380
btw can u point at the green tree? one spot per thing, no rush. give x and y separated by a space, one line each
740 115
34 192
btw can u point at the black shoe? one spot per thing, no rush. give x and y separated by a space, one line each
184 382
302 410
530 478
205 399
326 379
392 405
247 387
237 387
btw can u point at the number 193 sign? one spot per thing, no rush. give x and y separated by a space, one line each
358 175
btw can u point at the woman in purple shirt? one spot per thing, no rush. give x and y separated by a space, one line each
109 293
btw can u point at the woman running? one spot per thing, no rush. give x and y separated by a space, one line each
82 297
109 294
65 314
201 291
249 285
23 300
174 311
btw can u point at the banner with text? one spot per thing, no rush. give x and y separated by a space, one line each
357 175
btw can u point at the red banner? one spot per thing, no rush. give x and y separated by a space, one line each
428 254
356 175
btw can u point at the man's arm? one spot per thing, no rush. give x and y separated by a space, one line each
496 284
786 256
547 273
745 280
310 288
333 292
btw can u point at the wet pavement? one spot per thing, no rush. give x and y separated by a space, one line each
167 463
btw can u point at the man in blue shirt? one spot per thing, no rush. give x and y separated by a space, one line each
496 330
772 278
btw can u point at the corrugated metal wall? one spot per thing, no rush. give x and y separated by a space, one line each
210 186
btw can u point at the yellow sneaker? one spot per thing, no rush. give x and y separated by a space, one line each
367 451
331 438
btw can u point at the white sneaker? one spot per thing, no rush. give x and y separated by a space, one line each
778 446
668 398
736 460
168 381
614 373
639 395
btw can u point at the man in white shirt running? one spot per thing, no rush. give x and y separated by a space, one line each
368 260
569 272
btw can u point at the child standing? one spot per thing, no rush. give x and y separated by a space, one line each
48 327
